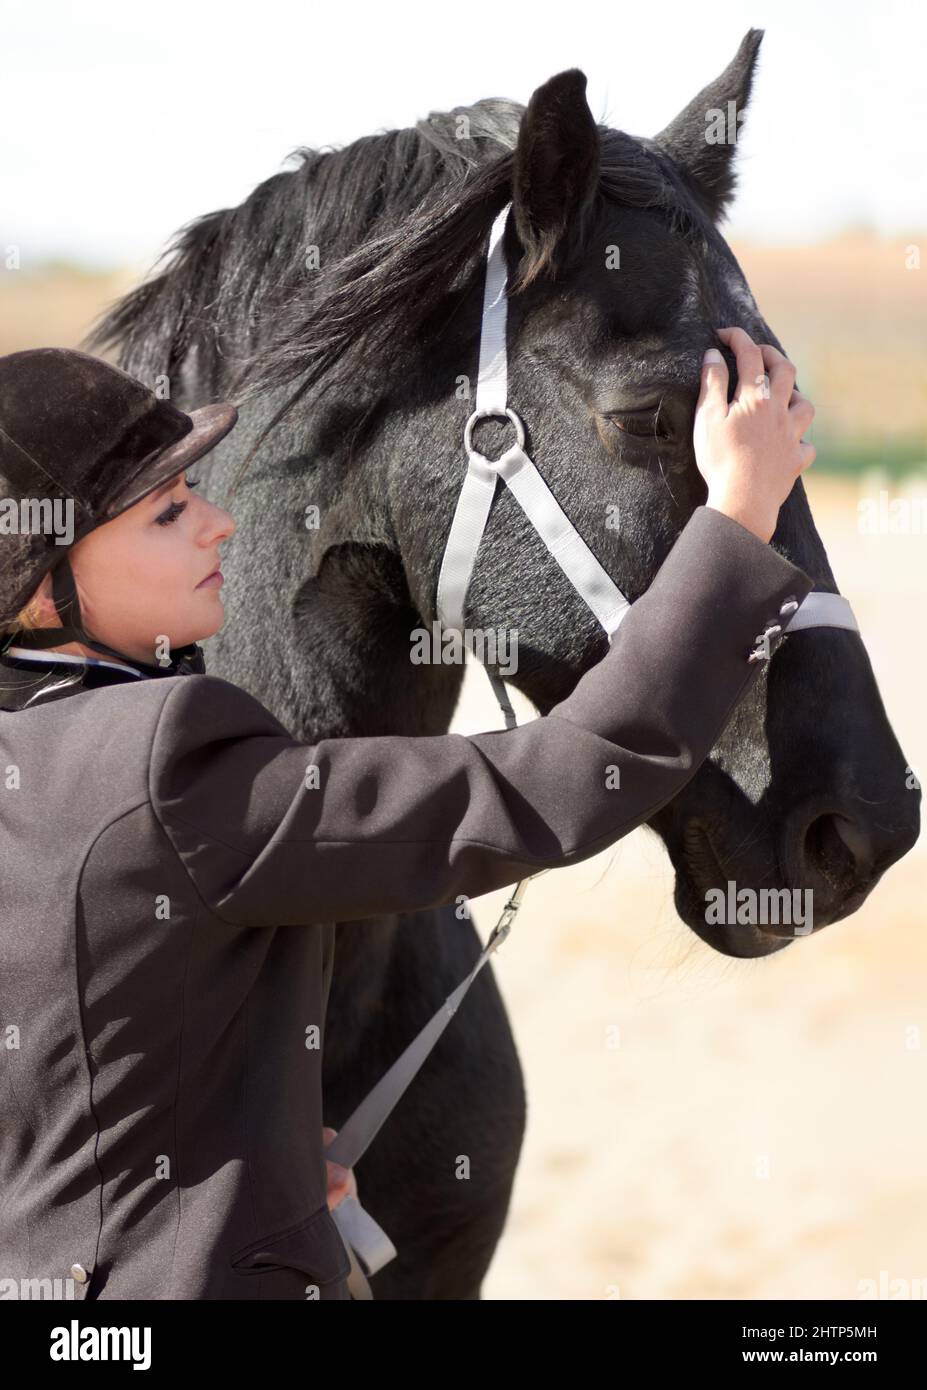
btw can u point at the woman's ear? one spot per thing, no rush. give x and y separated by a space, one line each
41 607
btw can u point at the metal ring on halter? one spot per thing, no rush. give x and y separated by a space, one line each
486 415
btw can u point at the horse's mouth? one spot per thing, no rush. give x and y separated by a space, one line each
703 898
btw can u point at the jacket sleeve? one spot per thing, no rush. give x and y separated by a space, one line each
274 831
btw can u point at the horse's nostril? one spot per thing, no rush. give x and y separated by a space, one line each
856 840
838 850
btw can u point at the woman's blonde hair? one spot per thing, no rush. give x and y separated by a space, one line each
26 619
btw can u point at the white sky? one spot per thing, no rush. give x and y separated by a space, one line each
121 121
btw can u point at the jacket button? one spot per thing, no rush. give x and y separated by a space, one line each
79 1273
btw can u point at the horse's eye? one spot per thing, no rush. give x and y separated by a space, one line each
643 424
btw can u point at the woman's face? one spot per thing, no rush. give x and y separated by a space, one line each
140 577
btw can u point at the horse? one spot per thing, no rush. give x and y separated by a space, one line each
340 304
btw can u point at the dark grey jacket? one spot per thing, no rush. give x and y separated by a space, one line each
172 865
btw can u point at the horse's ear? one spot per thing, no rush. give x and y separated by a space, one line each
556 170
703 137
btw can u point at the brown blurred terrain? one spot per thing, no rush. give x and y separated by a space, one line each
852 316
849 313
55 305
759 1131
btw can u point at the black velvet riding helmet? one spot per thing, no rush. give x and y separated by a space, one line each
79 432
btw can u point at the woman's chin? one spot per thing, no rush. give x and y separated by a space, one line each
211 618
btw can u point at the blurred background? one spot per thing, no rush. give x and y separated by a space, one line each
759 1130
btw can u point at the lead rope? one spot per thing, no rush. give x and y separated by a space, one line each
369 1247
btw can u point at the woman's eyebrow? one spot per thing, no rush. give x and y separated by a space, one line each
165 487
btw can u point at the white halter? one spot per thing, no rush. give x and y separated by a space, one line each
540 506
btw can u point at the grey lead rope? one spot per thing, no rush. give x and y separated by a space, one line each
365 1240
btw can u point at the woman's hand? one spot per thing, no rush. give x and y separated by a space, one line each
751 451
341 1181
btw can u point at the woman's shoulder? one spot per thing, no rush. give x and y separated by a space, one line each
205 708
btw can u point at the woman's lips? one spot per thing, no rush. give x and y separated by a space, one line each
212 581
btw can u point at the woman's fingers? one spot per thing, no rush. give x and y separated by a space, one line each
759 363
801 413
713 393
751 369
808 454
341 1181
781 373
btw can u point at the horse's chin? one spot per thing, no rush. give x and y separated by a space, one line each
742 940
698 871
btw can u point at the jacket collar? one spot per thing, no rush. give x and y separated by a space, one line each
28 678
49 658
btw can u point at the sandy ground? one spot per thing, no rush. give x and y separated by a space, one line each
759 1130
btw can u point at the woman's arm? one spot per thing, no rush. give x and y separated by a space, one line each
273 831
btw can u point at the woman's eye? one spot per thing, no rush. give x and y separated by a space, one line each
172 513
174 510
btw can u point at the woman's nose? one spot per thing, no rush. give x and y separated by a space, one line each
225 524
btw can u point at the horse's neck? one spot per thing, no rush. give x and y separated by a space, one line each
331 656
352 671
320 626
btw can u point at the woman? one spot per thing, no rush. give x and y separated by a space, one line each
173 861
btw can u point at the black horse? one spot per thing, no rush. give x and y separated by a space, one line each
340 305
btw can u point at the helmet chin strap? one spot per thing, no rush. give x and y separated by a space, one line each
185 660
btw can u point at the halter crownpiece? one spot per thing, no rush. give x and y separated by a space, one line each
593 584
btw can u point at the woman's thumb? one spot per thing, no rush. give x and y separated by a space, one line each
714 381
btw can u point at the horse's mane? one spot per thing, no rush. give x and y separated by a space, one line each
400 220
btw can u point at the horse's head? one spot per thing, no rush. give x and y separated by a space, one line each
620 276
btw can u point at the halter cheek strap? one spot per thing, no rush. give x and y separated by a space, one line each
593 584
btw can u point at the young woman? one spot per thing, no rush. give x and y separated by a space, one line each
173 861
